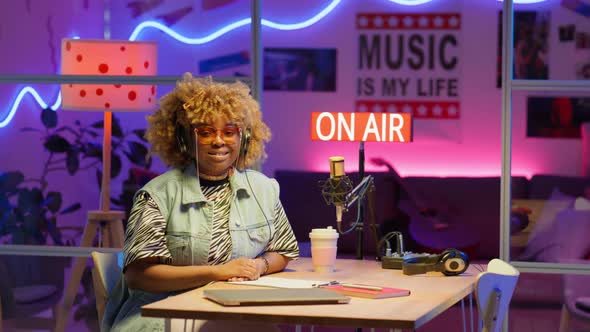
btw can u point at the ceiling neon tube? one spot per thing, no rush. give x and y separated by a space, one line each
525 2
37 98
280 26
230 27
411 2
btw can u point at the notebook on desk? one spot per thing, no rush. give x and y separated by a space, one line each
274 296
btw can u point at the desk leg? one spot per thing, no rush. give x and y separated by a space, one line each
463 315
167 325
471 311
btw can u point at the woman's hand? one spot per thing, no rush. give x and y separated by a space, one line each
240 269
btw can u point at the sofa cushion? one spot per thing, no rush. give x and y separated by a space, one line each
567 238
542 186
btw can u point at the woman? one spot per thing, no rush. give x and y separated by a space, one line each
208 219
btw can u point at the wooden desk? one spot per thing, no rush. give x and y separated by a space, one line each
431 294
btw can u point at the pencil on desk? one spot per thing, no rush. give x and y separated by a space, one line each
375 288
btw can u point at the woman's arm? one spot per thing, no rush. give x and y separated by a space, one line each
151 276
276 263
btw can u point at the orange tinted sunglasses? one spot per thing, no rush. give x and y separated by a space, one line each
208 134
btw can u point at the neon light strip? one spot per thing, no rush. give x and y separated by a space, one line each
233 26
20 96
177 36
411 2
213 36
525 2
421 2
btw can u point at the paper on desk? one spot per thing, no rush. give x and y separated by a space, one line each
280 282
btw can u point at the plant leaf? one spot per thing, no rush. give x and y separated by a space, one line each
140 133
115 165
29 200
137 153
4 204
89 132
9 181
72 208
30 129
72 162
54 231
116 128
53 201
93 150
56 143
49 118
99 178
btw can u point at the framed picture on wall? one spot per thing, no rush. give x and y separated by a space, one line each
556 117
299 69
583 70
531 32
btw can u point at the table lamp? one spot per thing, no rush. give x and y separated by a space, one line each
104 57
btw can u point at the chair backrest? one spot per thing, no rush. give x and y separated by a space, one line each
105 275
493 292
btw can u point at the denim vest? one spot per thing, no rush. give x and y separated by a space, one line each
189 214
189 217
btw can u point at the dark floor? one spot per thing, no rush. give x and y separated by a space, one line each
521 320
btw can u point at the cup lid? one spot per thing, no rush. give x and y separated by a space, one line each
323 232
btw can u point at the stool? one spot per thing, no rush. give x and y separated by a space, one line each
111 227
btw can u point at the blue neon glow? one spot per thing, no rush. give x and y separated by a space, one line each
411 2
196 41
193 41
19 98
233 26
525 2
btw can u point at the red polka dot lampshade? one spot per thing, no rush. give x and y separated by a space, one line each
108 57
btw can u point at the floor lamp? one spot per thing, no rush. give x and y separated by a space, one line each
104 57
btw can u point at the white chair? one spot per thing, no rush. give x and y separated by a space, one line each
493 292
105 275
576 292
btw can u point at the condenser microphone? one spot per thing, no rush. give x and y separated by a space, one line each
336 174
335 189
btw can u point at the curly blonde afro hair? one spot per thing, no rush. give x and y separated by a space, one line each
195 101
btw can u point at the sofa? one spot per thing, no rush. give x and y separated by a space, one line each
435 213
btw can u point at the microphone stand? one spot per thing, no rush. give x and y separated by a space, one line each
361 205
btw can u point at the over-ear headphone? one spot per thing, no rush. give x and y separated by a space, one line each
450 262
244 146
184 141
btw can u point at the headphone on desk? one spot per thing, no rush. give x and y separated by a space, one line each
450 262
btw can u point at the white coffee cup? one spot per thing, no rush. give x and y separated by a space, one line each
323 248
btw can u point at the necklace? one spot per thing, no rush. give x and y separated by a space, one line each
204 176
213 177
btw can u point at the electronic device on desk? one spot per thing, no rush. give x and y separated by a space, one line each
394 260
450 262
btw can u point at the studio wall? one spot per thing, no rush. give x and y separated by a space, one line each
468 145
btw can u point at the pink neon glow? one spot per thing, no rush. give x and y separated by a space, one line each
418 169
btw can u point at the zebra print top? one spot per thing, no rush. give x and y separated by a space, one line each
146 228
